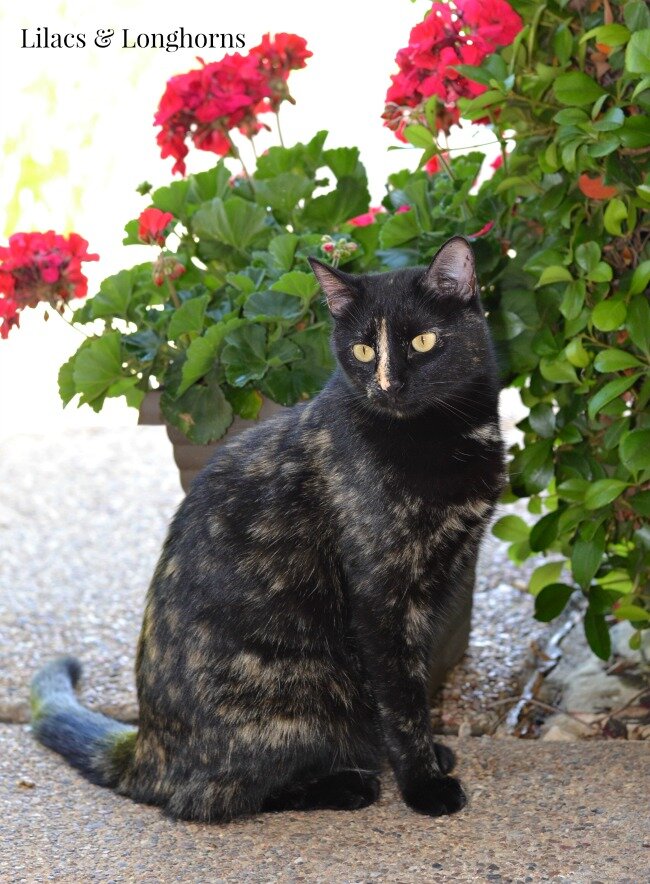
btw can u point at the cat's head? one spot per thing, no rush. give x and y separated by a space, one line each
408 339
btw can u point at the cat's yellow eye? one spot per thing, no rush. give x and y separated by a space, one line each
424 342
363 352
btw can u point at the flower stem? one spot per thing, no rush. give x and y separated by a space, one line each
68 321
172 292
237 155
277 120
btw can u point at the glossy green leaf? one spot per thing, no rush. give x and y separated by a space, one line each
615 214
544 531
637 322
602 492
610 391
551 601
637 54
511 528
615 360
555 273
586 557
597 634
608 315
545 575
635 450
576 88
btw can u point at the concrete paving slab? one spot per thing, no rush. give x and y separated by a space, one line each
538 812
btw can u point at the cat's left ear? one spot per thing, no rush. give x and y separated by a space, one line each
338 286
452 273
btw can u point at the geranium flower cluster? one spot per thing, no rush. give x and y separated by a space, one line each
40 267
462 32
204 105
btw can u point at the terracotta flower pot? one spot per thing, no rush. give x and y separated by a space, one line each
189 457
190 460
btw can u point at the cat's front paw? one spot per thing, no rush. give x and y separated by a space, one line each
446 758
435 797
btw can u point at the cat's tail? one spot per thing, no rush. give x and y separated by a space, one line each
101 748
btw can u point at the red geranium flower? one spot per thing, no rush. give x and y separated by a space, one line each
204 105
40 267
152 226
367 218
8 315
446 38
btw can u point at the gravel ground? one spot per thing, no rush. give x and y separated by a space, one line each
81 524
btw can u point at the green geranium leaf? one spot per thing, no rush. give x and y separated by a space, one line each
282 352
349 199
418 136
113 297
244 354
202 354
203 413
273 306
297 282
283 249
234 222
188 318
399 229
98 365
283 192
245 403
67 386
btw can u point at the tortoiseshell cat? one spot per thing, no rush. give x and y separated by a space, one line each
307 576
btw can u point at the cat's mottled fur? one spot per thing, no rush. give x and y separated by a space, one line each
308 575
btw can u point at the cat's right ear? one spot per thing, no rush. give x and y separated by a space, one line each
338 287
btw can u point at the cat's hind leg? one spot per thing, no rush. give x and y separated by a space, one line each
349 789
